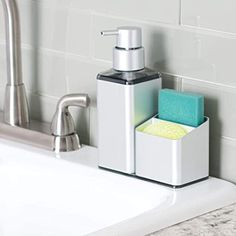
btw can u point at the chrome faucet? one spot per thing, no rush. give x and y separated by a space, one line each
16 110
16 124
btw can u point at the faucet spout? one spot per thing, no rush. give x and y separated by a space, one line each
16 112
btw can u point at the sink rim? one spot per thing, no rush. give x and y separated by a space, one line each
191 200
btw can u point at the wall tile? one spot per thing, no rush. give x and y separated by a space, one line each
30 68
28 21
171 82
220 106
81 76
44 72
60 28
211 14
218 53
223 158
50 76
194 54
165 11
78 32
45 26
32 62
42 107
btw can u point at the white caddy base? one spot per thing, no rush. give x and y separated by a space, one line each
173 162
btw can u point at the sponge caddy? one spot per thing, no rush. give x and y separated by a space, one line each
173 162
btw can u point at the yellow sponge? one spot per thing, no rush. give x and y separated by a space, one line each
166 129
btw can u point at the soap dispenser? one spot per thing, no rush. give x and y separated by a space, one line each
127 95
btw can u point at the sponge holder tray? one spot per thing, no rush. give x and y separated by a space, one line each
173 162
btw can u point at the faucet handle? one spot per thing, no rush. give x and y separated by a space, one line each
63 127
80 100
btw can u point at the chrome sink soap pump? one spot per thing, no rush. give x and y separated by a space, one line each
127 96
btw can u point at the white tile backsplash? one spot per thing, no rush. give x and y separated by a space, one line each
51 73
219 106
42 107
81 76
171 82
165 11
222 160
43 24
43 27
78 32
193 43
211 14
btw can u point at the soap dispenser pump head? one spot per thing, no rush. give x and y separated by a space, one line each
128 54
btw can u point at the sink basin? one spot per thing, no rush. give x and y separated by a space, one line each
47 194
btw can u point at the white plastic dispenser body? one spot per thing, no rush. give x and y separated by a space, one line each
127 96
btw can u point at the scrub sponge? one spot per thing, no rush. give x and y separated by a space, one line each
181 107
166 130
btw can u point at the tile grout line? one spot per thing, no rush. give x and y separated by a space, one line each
61 53
183 27
199 80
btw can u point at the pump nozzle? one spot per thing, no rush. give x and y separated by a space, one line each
128 54
127 37
109 32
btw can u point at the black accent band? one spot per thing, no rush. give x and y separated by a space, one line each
153 181
128 82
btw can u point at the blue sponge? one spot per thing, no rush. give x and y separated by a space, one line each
181 107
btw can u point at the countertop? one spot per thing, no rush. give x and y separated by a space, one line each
221 222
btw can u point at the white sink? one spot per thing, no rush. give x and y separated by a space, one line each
44 194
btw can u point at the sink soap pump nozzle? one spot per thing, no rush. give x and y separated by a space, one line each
128 54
